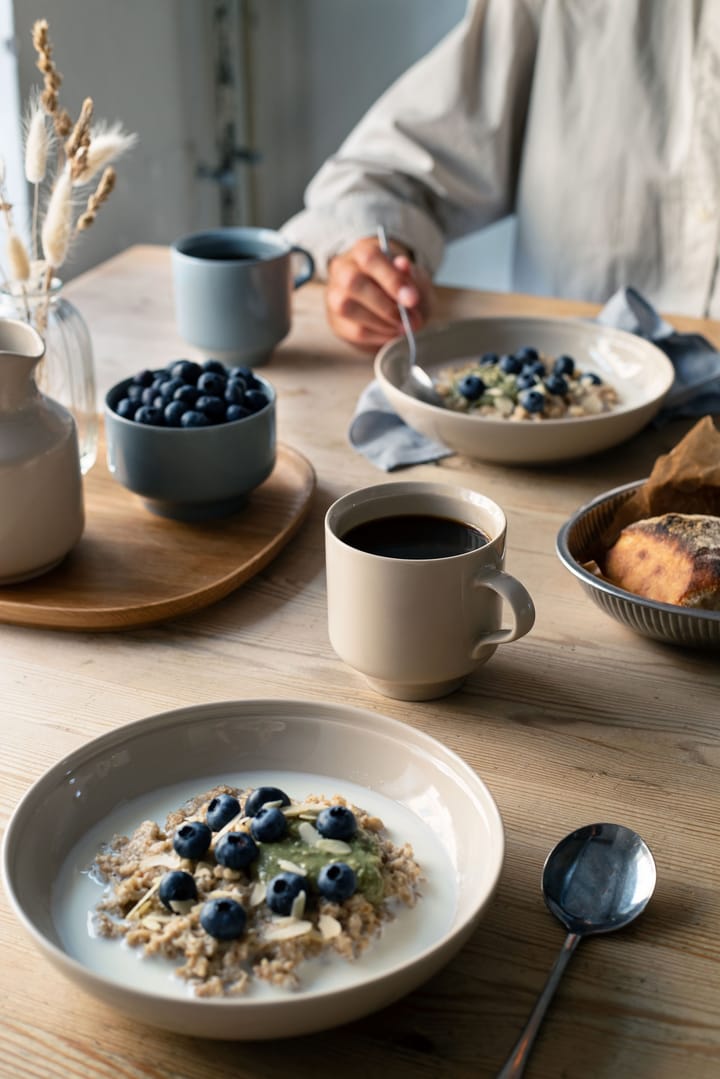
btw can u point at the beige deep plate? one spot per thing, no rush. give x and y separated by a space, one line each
577 543
132 567
639 371
449 806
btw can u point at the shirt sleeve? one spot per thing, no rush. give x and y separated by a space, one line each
437 156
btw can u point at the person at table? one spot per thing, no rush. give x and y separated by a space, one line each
597 123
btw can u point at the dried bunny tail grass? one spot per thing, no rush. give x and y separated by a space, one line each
106 144
52 79
57 226
99 196
18 258
77 145
37 143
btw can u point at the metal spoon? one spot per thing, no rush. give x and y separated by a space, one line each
420 381
597 879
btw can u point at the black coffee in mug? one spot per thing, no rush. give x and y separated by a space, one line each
415 536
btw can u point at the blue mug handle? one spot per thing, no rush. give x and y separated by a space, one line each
305 275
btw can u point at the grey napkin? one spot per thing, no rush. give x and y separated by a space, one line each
379 434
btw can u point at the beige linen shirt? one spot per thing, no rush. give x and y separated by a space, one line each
596 121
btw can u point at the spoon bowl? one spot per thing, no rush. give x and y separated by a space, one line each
597 879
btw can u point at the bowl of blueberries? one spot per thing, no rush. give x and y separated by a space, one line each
191 439
527 391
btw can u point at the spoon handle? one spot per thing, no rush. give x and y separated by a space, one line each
516 1062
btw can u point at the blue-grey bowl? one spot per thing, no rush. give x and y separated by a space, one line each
191 473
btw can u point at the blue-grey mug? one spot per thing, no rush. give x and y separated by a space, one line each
233 288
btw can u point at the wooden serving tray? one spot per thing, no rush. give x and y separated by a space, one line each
132 567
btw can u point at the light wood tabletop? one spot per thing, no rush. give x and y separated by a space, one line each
580 721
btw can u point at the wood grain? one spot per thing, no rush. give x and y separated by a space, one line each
581 720
132 567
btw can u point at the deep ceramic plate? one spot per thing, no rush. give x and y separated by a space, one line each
639 371
428 791
661 621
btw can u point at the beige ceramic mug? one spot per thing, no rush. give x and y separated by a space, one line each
415 586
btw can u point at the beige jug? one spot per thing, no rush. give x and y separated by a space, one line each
41 500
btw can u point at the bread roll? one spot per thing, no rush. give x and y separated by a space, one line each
673 559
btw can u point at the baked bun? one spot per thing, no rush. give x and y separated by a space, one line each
672 559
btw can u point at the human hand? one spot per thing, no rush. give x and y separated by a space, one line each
364 288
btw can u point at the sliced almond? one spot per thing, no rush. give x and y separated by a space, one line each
291 867
258 893
308 833
287 932
329 927
298 906
134 912
334 846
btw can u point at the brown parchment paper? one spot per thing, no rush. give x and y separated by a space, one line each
685 480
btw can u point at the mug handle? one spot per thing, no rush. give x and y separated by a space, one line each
518 599
305 275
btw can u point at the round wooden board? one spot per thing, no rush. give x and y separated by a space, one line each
132 567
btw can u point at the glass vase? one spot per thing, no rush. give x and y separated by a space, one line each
67 372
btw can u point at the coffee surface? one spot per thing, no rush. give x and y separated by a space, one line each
415 536
213 253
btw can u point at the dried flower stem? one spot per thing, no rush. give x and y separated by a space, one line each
37 147
99 196
78 144
52 79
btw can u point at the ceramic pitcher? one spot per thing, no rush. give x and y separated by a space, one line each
41 502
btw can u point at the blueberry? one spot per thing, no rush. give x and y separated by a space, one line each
143 378
235 390
192 839
236 850
526 380
223 919
212 407
471 387
534 367
532 400
282 891
150 415
336 881
528 354
167 389
148 395
236 412
564 365
488 359
591 378
194 419
174 413
268 825
557 385
510 365
158 402
215 366
178 891
257 799
212 384
187 394
134 392
245 373
186 370
255 400
126 408
221 810
336 822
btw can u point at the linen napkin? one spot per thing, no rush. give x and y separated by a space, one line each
377 432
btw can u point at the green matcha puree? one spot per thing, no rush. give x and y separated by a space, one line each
364 859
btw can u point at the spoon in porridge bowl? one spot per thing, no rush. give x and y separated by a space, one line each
597 879
419 381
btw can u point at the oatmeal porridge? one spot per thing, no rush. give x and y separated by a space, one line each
242 887
527 386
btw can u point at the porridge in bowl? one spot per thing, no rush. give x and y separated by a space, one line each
525 385
244 887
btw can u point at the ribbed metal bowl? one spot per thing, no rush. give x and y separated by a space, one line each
576 543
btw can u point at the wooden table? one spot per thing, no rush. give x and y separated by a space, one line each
580 721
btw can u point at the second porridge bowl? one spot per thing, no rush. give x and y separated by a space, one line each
640 373
424 794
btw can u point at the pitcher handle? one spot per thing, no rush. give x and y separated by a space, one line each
518 599
305 275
